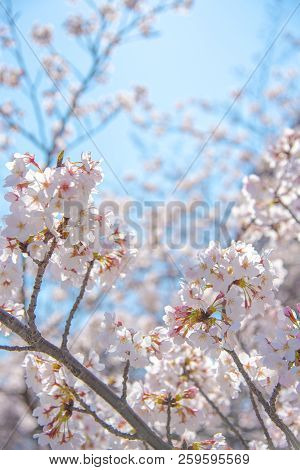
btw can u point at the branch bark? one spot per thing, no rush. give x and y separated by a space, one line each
125 380
168 425
266 406
87 409
34 338
219 413
261 422
76 305
37 285
17 348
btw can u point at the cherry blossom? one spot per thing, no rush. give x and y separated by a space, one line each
221 369
220 293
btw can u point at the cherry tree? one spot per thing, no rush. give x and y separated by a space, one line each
223 292
211 364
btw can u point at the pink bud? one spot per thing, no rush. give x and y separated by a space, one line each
190 392
288 312
11 197
219 296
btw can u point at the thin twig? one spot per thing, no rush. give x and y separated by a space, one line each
23 288
219 412
32 93
40 274
286 207
87 409
37 285
125 380
76 304
261 422
274 397
17 348
270 412
78 370
168 425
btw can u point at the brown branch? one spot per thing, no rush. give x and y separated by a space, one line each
76 305
219 413
287 208
17 348
42 265
168 425
23 131
270 412
125 380
34 338
32 89
17 327
87 409
261 422
37 285
274 397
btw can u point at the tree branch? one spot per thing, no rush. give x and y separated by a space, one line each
37 285
125 380
270 412
219 413
87 409
286 207
17 348
274 397
76 305
168 425
40 274
261 422
34 338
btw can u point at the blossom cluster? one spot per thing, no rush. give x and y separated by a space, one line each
63 426
52 211
176 377
180 378
270 204
130 345
282 353
10 76
183 384
220 292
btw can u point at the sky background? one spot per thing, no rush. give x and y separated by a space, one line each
205 54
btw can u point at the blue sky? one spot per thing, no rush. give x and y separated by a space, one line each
204 54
